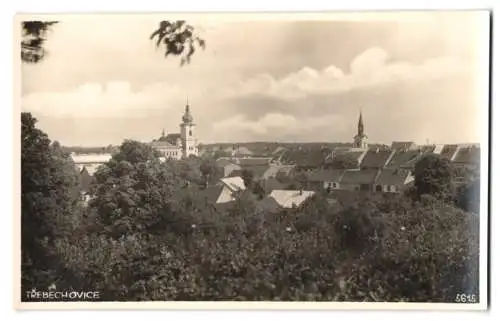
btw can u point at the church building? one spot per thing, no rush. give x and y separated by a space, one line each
179 145
360 138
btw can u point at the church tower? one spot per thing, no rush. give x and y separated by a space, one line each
188 137
360 138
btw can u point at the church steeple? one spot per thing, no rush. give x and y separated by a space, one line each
361 126
360 138
187 118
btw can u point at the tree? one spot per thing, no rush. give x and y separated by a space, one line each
49 197
208 169
247 176
433 175
34 35
177 37
468 196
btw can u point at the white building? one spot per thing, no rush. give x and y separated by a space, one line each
90 161
178 145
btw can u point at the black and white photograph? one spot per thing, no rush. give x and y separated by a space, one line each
266 158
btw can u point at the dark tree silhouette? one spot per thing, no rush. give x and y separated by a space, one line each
433 175
34 35
177 37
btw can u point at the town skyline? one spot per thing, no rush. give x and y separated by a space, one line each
294 87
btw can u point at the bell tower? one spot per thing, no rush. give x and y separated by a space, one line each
188 137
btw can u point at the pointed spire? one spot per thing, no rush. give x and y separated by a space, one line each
361 126
163 133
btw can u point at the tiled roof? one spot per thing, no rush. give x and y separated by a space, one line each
403 158
162 144
448 151
402 145
172 138
364 176
469 155
210 193
90 158
273 170
278 150
322 175
253 161
393 177
287 199
222 162
257 171
306 157
234 183
375 158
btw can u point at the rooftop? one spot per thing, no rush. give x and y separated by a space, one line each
234 183
365 176
288 199
393 177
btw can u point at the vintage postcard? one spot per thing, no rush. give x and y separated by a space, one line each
268 161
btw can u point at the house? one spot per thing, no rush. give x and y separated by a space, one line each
275 170
182 144
227 166
167 150
403 146
339 158
404 158
449 152
468 157
271 184
393 180
359 180
376 158
290 198
252 161
238 151
90 161
306 158
325 178
278 151
231 185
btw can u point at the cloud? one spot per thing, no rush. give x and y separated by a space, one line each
276 125
96 100
371 68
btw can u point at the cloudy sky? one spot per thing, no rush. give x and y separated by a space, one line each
414 76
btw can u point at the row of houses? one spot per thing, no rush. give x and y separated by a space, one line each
225 192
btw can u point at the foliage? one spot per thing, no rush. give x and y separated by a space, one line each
49 197
468 196
178 38
247 176
34 35
147 235
433 175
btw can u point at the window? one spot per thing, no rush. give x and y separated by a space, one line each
190 133
378 188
